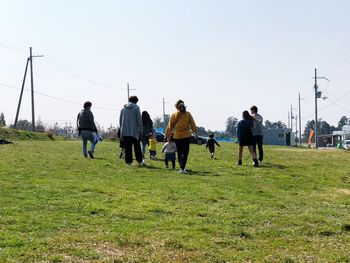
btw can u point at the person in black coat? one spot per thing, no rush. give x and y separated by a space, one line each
211 145
245 137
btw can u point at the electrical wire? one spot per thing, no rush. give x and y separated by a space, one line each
57 98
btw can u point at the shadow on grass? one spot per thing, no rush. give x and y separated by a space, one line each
201 173
273 166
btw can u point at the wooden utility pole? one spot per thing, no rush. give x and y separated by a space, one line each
21 94
29 59
128 90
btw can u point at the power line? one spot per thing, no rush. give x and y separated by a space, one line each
57 98
67 71
97 83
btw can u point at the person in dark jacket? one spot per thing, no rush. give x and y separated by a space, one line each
211 144
87 129
245 137
147 128
130 130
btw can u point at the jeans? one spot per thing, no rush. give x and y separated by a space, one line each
258 140
183 149
88 136
130 141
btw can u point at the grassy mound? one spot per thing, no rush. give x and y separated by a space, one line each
16 135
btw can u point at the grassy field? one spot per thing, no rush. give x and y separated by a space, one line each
56 206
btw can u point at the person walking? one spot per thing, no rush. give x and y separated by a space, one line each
152 148
211 145
87 129
258 132
245 137
130 130
169 149
180 124
147 129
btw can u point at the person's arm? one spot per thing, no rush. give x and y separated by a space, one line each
170 127
165 145
121 119
217 143
193 125
239 131
207 145
139 121
91 116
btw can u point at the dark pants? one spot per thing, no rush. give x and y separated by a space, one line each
170 157
258 140
183 148
129 141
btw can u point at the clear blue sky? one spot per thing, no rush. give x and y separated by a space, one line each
221 57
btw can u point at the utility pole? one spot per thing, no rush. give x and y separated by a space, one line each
164 114
32 87
21 94
128 89
291 118
30 59
288 120
299 121
296 128
317 96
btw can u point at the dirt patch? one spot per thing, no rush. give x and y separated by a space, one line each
343 191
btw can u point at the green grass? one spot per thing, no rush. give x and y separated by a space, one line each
58 207
12 134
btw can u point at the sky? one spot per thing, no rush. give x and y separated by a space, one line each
221 57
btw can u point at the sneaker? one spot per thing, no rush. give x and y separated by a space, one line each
167 167
91 155
142 164
183 171
239 162
256 163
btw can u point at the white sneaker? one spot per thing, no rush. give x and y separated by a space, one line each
142 163
183 171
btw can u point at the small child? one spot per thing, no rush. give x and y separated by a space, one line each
211 144
152 146
169 148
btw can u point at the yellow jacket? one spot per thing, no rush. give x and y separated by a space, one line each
152 144
181 124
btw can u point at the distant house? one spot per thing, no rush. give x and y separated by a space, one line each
279 136
332 140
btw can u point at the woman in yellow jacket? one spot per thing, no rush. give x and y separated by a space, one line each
180 125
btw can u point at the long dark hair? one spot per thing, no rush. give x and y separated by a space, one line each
146 118
247 116
180 105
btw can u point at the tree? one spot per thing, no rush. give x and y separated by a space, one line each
157 122
343 121
202 131
275 125
323 128
231 126
23 125
2 120
39 126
